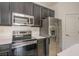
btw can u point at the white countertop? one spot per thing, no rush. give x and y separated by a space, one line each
38 37
72 51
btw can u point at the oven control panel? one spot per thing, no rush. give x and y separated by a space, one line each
21 35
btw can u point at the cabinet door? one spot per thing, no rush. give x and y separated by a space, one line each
41 47
0 13
5 49
44 29
37 16
17 7
28 8
44 12
51 13
5 14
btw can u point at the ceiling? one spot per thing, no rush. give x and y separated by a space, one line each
46 4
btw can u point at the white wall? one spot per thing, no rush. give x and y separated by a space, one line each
62 8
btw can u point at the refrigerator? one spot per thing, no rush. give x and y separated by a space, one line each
51 28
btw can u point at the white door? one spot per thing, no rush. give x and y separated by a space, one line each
77 28
71 29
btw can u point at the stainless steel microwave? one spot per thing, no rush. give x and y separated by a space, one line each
22 19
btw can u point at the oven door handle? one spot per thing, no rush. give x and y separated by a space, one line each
17 45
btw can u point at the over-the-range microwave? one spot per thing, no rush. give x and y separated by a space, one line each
22 19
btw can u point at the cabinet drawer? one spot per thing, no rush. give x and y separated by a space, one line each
37 15
4 53
4 48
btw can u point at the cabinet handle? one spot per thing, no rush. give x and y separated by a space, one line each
67 35
78 32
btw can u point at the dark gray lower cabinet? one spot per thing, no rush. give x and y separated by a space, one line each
41 47
47 46
4 53
5 50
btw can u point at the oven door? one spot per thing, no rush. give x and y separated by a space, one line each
29 49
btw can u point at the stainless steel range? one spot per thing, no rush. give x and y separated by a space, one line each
23 44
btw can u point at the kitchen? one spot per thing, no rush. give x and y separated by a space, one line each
27 29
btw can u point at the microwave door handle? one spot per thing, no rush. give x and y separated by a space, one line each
29 20
14 19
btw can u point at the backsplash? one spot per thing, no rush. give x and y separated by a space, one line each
5 35
6 32
35 30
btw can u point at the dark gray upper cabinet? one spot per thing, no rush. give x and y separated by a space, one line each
51 13
44 29
5 13
37 16
28 8
44 12
22 7
0 13
17 7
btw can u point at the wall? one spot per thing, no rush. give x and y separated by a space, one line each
62 8
6 32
